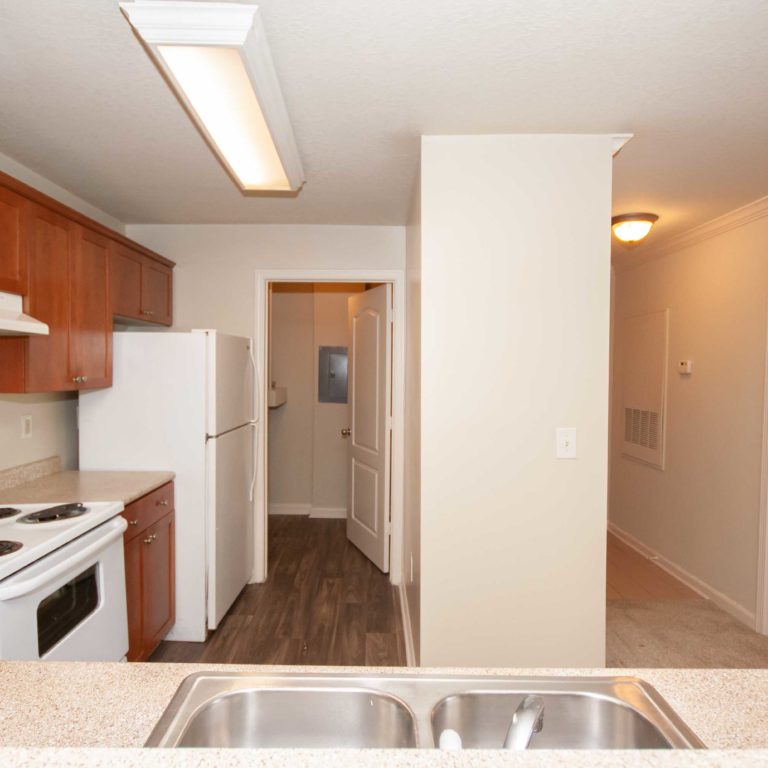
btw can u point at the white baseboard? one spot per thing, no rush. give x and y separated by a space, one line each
330 512
290 509
410 650
696 584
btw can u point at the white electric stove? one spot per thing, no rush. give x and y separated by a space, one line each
62 582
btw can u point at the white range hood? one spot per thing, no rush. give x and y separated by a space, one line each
13 321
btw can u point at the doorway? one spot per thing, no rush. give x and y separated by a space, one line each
328 510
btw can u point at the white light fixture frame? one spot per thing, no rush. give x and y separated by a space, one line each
227 25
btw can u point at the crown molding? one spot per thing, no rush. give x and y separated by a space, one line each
618 140
753 211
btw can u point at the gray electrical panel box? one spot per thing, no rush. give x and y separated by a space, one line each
332 377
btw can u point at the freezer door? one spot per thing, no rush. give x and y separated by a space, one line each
230 519
230 377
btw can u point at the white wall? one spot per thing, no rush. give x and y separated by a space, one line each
22 173
54 425
214 280
412 494
702 511
515 268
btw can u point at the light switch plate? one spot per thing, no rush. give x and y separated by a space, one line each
566 442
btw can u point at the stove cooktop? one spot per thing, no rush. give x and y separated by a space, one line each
39 529
52 514
9 547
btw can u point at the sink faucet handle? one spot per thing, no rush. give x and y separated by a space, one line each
527 720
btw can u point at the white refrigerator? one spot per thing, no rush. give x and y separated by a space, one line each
185 402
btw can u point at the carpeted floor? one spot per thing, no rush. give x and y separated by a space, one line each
681 634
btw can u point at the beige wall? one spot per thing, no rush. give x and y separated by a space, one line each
290 425
702 511
54 417
515 264
412 493
308 457
54 429
214 280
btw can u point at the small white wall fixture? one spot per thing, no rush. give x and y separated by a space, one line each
216 57
261 503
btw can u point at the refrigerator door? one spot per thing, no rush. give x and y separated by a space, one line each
230 519
230 382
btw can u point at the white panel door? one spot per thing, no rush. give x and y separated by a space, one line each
230 519
370 399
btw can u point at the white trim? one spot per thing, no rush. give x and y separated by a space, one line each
761 605
410 648
753 211
397 278
691 581
290 509
330 513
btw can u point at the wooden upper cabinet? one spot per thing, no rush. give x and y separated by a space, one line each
13 242
90 337
125 281
75 274
141 287
45 365
157 292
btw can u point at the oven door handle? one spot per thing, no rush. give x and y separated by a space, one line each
19 588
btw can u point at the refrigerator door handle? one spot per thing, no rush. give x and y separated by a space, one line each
255 464
256 388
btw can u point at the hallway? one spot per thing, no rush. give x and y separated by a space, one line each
324 603
654 620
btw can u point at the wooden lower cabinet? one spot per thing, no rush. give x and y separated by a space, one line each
150 571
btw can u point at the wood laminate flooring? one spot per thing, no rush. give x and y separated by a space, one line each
634 577
323 603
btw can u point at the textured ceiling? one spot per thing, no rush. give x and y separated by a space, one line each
81 103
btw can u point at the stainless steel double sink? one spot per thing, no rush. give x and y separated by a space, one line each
408 711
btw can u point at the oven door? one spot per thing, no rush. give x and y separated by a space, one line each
70 604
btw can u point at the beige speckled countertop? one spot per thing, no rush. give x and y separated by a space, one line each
69 714
86 486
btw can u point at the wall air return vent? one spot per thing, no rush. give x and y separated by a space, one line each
644 353
641 428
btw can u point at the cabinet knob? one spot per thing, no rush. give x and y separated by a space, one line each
147 312
346 432
83 379
153 536
77 379
163 502
148 540
133 522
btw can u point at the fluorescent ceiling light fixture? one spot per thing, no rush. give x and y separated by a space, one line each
631 228
216 57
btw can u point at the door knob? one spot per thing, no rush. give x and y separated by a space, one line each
346 432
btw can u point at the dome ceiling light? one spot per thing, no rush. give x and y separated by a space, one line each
631 228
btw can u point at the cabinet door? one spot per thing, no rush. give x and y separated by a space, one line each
47 357
125 268
13 242
90 340
133 552
156 292
158 581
